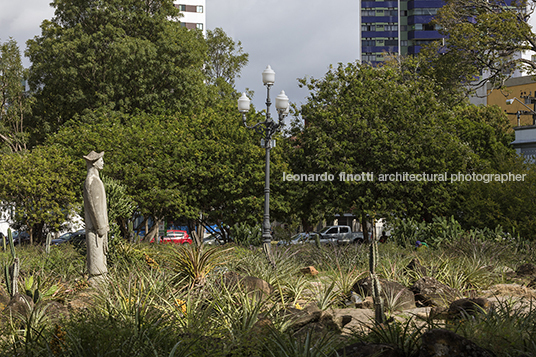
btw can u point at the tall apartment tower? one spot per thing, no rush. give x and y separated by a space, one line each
400 26
193 12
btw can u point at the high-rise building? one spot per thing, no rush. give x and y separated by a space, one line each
193 12
400 27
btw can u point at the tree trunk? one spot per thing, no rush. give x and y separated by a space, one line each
153 232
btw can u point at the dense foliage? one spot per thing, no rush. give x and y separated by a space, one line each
483 40
96 54
14 102
39 188
380 122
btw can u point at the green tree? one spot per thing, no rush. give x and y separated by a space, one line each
182 165
40 188
482 37
509 204
225 57
124 55
14 102
376 121
120 206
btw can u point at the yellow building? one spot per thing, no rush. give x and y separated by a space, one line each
514 98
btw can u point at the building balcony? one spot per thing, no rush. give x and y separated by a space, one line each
424 35
379 4
374 19
425 4
378 34
419 19
379 49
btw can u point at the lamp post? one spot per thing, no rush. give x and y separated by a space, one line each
267 128
528 100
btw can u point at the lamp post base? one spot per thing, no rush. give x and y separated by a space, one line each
267 249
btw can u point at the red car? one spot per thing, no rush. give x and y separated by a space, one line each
174 236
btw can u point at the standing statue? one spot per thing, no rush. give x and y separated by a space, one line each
96 218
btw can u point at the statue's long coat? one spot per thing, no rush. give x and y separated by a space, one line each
96 217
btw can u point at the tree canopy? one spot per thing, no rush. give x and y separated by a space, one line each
179 166
225 57
39 188
383 122
14 102
124 55
484 39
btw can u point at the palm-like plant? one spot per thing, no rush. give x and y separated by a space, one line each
194 262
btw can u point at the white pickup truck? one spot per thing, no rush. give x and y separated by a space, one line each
340 234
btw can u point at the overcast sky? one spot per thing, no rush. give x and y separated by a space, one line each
297 38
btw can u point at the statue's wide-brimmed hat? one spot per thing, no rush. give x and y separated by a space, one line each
94 156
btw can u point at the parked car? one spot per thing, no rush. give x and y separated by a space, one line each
174 236
341 234
64 238
212 239
357 237
78 237
20 237
300 238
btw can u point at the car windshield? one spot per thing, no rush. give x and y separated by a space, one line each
65 236
323 230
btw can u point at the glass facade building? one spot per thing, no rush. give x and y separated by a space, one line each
401 27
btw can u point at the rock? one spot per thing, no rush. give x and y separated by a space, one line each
54 310
441 342
252 285
363 349
430 292
328 322
19 305
18 309
414 267
310 270
439 313
468 306
389 292
527 269
509 290
365 304
82 301
352 319
309 314
262 326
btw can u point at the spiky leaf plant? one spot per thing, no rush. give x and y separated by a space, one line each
193 262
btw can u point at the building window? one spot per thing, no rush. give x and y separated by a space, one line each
200 8
199 26
368 27
181 7
423 11
368 57
368 12
368 42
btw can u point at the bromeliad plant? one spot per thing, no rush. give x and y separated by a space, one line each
194 262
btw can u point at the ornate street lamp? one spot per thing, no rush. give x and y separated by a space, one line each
529 99
267 128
